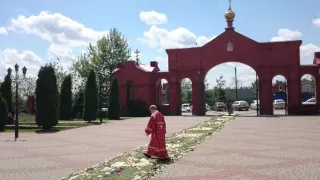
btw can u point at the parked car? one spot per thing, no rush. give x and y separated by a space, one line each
279 104
185 108
208 108
220 106
255 104
240 105
310 101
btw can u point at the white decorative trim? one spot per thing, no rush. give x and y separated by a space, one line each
229 46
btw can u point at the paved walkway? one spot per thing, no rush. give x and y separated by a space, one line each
255 148
53 156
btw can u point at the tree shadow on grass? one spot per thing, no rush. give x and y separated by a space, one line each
47 131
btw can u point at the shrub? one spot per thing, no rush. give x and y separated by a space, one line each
91 98
47 98
3 112
114 106
66 99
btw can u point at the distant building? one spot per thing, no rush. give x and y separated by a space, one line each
307 86
279 86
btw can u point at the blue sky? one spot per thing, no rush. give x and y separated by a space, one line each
33 32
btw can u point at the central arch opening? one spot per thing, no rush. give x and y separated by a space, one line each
235 83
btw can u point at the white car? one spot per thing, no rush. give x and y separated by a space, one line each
185 108
279 104
254 104
310 101
240 105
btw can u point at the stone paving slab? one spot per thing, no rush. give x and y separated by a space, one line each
255 148
53 156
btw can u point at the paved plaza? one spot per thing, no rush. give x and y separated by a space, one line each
248 148
53 156
255 148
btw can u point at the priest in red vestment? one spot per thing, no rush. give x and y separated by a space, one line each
157 128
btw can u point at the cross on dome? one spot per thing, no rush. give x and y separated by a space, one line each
137 52
230 15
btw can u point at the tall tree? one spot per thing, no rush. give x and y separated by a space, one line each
220 93
66 99
3 112
27 86
103 57
47 98
209 97
254 84
60 72
6 89
114 106
91 98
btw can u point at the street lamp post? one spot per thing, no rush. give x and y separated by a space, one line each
16 122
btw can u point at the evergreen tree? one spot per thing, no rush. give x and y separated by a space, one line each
91 98
6 89
3 112
47 98
66 99
114 106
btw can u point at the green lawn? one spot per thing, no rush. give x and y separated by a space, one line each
27 123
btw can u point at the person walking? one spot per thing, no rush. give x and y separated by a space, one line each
157 128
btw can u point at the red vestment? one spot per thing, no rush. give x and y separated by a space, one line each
157 128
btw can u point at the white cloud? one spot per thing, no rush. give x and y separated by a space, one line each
181 37
160 50
3 30
316 22
162 63
152 17
9 57
55 28
307 53
287 35
60 31
63 53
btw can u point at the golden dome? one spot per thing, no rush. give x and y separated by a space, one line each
229 15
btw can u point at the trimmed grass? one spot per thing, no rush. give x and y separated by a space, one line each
27 124
135 166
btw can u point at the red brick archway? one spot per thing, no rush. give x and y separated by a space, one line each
268 59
